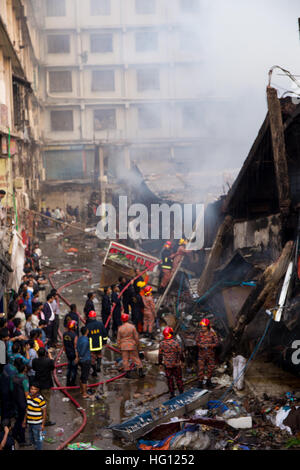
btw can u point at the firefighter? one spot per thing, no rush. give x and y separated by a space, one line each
97 339
128 343
171 355
70 347
180 253
206 340
166 265
149 312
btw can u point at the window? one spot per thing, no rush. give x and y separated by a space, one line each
149 117
101 43
62 121
56 7
145 7
147 79
103 80
100 7
58 44
189 5
104 119
146 41
60 81
191 115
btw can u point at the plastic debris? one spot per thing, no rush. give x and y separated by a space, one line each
240 423
65 399
83 446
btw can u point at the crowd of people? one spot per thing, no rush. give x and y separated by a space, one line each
59 215
27 334
29 337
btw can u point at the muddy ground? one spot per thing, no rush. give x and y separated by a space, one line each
112 407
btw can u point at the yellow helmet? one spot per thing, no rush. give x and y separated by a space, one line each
141 284
182 241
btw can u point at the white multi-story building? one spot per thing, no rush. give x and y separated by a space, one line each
122 83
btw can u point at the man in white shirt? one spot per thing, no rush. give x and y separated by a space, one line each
48 315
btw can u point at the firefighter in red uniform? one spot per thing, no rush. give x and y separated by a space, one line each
149 312
128 343
171 355
206 341
97 339
166 265
179 255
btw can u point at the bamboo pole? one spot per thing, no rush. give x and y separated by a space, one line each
55 220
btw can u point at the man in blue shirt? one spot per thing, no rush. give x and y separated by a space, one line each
85 359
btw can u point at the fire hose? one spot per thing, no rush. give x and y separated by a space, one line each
58 365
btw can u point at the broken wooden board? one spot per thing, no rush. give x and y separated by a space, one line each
142 424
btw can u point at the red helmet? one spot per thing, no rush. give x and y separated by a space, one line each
92 314
168 244
124 317
148 290
205 322
71 324
168 332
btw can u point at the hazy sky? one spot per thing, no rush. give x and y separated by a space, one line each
240 40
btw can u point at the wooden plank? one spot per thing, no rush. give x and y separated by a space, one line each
279 150
213 261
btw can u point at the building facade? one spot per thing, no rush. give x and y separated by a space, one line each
21 168
120 83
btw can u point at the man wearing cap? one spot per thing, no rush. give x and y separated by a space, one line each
97 339
128 343
171 355
70 347
166 265
149 312
206 341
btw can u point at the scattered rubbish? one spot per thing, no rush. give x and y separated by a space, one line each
280 416
224 380
238 363
71 250
59 431
191 437
240 423
240 447
82 446
216 404
66 399
50 440
201 412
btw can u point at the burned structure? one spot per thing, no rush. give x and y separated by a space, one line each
258 240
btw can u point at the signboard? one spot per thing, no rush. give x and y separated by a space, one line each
128 257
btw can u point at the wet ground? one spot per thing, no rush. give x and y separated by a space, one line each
114 406
123 399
